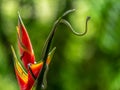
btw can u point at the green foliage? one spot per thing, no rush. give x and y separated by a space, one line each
91 62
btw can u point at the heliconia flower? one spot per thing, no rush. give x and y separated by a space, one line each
26 78
35 73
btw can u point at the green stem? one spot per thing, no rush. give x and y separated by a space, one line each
48 44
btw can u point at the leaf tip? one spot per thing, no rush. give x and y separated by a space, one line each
19 19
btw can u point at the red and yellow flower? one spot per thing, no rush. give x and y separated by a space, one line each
26 78
36 71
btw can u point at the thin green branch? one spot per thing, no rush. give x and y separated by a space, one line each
48 43
72 30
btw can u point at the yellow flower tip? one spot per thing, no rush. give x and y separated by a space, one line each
50 55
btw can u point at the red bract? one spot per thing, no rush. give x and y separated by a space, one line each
27 78
25 47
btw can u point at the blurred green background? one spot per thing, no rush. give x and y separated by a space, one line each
90 62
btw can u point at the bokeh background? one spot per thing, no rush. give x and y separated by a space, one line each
90 62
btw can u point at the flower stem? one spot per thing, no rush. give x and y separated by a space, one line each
47 44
